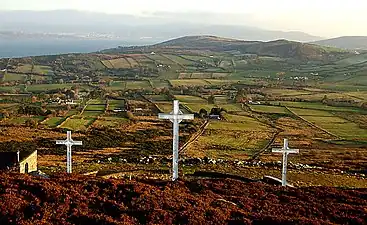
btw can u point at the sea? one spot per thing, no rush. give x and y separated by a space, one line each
35 47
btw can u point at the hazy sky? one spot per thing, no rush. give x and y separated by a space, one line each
318 17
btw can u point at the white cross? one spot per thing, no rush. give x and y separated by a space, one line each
176 117
285 150
68 142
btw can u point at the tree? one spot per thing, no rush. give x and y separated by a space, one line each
203 113
31 123
211 99
239 96
130 116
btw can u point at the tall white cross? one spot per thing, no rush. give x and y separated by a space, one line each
68 142
176 116
285 150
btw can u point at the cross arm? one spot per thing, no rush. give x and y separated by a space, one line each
281 150
77 143
165 116
178 117
61 142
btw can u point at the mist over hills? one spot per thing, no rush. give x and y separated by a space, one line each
346 42
157 27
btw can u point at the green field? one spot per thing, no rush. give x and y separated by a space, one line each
160 83
156 98
269 109
97 101
190 99
78 124
193 82
286 92
54 121
318 106
310 112
195 107
22 120
92 113
39 69
14 77
230 107
95 107
340 127
116 104
138 85
48 87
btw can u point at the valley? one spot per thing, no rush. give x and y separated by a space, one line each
246 97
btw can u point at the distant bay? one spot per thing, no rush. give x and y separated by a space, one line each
34 47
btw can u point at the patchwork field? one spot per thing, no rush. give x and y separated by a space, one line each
238 137
185 82
269 109
77 124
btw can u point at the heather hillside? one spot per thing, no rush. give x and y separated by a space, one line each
84 200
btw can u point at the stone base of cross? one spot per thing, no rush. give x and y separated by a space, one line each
176 117
285 151
68 142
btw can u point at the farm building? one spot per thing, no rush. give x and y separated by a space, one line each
23 162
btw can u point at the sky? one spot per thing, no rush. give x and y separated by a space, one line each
327 18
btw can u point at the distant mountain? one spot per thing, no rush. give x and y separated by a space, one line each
154 27
347 42
278 48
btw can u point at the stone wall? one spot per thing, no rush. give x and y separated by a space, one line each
32 163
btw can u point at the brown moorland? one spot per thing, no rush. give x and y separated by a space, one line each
76 199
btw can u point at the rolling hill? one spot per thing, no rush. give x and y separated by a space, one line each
278 48
346 42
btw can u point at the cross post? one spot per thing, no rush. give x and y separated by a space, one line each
176 117
68 142
285 151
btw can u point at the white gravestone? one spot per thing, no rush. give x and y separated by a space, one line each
176 116
285 151
68 142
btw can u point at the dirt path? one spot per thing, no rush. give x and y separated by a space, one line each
195 136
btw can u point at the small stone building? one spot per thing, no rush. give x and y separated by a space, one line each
22 162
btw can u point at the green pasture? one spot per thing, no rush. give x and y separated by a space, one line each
319 106
310 112
190 99
113 104
78 123
92 113
179 60
195 107
54 121
14 77
192 82
269 109
95 107
286 92
156 98
138 85
340 127
160 83
97 102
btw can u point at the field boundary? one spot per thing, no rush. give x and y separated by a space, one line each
195 136
312 124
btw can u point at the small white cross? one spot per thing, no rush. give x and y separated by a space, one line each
285 151
68 142
176 117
